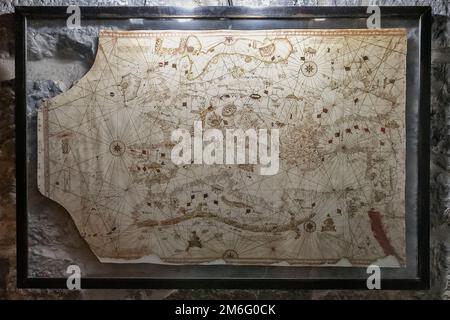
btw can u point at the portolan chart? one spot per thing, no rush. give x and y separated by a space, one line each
263 147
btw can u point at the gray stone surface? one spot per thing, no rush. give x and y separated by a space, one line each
51 46
7 6
75 44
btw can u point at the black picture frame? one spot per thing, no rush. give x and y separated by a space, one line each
422 15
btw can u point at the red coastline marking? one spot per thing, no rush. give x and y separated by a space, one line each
379 233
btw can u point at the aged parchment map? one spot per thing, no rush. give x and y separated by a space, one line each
336 98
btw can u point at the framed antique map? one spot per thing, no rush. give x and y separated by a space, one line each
230 147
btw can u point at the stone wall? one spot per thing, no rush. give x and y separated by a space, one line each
41 48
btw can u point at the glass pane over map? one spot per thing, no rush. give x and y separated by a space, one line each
335 97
